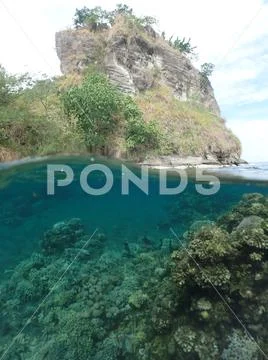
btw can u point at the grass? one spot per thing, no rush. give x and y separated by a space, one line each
35 123
188 128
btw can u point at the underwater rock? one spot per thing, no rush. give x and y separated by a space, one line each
199 224
250 221
61 236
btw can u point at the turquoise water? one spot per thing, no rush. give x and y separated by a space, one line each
27 211
132 224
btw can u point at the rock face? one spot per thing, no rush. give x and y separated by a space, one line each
139 61
135 62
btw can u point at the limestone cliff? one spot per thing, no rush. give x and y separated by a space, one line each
140 61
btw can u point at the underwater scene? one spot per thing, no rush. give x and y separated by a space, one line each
138 276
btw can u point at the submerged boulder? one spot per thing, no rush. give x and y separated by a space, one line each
61 236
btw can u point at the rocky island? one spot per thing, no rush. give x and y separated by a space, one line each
158 110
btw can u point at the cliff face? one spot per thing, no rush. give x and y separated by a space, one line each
140 61
133 62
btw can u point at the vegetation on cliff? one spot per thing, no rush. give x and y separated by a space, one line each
32 121
106 115
86 110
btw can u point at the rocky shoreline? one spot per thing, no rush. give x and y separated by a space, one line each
166 162
161 162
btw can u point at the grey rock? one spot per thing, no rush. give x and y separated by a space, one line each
250 221
137 60
134 62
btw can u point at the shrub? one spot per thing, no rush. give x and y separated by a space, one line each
98 19
183 45
97 106
22 132
140 135
10 86
100 109
93 18
207 69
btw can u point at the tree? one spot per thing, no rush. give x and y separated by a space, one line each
140 135
183 45
207 69
11 85
4 87
123 9
100 109
42 90
98 19
148 21
92 18
97 105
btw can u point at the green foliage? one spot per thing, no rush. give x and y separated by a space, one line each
21 132
97 105
140 135
42 91
11 86
32 121
5 94
186 127
98 18
121 9
93 18
183 45
145 21
100 109
207 69
20 129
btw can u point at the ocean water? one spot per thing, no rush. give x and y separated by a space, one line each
252 171
135 227
27 211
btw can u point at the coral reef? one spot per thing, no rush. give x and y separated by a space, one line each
146 304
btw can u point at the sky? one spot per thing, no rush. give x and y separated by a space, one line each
231 34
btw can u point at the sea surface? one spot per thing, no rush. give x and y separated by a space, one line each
27 211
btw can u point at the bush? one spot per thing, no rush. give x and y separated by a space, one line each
140 135
101 109
97 106
183 45
98 19
11 86
207 69
21 132
93 18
